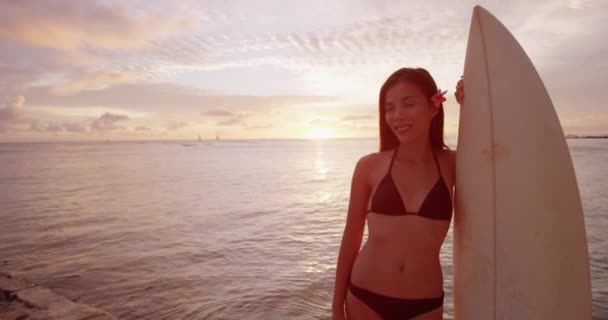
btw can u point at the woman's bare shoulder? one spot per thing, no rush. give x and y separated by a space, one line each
365 162
372 159
368 164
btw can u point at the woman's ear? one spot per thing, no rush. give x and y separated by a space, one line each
434 109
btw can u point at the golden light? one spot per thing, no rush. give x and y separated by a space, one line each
320 133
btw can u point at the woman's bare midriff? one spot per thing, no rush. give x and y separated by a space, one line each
401 256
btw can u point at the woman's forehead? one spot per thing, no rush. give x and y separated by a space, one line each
402 90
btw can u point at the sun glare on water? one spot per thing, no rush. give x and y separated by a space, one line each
320 133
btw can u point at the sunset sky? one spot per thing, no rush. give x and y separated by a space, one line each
154 70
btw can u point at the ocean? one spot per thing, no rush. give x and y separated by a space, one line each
210 230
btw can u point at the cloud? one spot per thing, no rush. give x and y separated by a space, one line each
259 127
234 119
38 125
71 25
54 127
175 125
90 56
359 117
238 119
371 38
22 66
59 39
107 122
13 110
12 115
70 126
171 38
218 112
142 128
161 97
93 80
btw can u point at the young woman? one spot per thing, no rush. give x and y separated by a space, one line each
404 191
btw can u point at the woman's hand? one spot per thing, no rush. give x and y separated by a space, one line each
459 94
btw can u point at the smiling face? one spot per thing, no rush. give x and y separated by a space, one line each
408 112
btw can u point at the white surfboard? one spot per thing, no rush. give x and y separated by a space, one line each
520 248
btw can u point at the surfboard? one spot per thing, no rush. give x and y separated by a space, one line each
520 247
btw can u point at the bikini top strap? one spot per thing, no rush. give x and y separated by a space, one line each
393 159
437 162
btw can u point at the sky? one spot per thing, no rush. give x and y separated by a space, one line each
257 69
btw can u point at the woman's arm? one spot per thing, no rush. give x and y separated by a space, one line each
353 232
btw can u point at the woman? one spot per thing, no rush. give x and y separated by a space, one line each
405 193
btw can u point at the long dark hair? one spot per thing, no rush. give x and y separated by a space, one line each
425 81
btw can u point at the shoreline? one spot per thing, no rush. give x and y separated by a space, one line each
22 299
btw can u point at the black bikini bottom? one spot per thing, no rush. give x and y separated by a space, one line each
392 308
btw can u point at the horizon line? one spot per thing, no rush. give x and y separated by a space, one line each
567 136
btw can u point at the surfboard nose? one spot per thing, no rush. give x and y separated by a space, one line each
479 9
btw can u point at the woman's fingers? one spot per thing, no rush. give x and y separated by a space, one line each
459 94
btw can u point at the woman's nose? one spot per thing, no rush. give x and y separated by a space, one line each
400 113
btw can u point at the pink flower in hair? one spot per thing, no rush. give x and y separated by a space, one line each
438 98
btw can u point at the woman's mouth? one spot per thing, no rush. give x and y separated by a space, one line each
402 128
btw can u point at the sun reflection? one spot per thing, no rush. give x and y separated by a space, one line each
317 267
320 165
321 173
324 196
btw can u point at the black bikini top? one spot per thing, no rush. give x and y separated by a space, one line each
387 199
